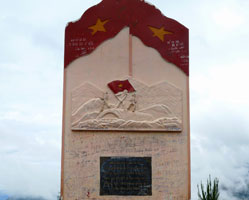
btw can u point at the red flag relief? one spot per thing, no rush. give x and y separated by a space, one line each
119 86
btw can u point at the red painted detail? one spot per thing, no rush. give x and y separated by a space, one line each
139 16
120 86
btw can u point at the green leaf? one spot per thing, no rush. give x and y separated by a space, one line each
211 192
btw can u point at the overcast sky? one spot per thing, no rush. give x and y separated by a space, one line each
31 72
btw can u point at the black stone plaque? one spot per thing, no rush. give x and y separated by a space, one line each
125 176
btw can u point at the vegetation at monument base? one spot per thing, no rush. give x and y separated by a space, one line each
211 192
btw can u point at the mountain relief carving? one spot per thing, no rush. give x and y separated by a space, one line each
127 105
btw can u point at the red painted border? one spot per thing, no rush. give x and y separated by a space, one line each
139 16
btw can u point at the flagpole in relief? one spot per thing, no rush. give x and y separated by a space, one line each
130 55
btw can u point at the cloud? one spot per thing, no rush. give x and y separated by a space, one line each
242 191
31 72
219 119
228 18
30 157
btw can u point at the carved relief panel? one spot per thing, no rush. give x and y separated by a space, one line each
127 105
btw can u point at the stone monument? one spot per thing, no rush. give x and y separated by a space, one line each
126 123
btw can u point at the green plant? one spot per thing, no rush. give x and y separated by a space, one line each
211 192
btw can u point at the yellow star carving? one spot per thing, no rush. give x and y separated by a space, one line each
159 32
99 26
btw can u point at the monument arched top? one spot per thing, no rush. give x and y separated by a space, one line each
106 19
